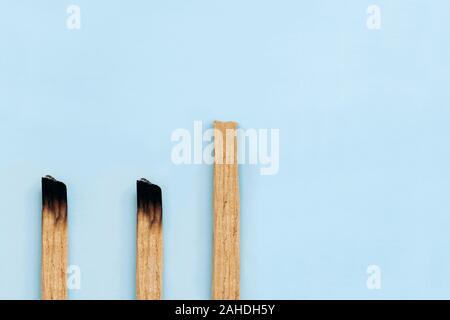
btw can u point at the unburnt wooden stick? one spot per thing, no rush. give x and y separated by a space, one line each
54 239
149 255
226 281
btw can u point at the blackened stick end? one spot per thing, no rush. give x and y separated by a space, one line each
148 193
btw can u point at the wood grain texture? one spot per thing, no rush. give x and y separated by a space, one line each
54 240
149 255
226 259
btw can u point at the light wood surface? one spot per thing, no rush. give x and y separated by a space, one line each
54 240
149 255
226 259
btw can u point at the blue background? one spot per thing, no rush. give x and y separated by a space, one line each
364 127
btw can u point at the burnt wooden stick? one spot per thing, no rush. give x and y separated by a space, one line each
54 240
226 260
149 245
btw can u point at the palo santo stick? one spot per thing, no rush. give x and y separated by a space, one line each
54 239
226 281
149 244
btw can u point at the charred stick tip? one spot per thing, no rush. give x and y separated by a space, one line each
53 190
148 193
54 196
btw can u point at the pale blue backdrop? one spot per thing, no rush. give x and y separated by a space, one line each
364 124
